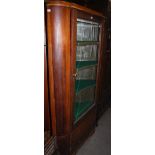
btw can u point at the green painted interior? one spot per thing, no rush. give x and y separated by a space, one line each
80 64
80 108
81 84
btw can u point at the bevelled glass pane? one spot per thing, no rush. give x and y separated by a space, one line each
86 66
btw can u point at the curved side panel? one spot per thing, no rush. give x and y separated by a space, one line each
59 64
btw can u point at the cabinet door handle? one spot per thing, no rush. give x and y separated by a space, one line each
74 75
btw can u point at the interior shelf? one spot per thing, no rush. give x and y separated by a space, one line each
87 22
83 43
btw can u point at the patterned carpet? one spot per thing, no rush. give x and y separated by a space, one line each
46 136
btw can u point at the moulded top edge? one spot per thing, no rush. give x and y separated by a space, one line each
73 5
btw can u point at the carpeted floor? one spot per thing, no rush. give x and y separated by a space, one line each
100 142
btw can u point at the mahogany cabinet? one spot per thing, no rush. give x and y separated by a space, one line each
75 44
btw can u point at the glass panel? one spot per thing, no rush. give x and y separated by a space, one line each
83 101
86 53
82 84
86 73
85 95
86 66
87 30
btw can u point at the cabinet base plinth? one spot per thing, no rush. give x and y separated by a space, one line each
63 143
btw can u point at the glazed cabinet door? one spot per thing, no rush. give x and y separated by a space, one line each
86 48
74 52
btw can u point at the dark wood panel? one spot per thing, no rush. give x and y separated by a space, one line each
88 16
74 6
83 129
64 144
60 56
50 70
46 101
58 26
101 61
73 60
102 103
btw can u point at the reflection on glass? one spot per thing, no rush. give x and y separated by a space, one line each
85 95
86 73
87 31
86 53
